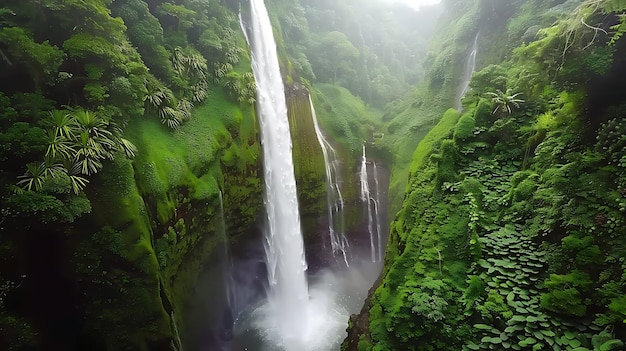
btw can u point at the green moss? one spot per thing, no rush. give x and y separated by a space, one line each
446 164
440 131
345 117
307 155
185 159
122 208
168 196
465 127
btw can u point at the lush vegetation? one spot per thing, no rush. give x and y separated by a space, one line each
510 235
369 47
118 122
126 125
123 124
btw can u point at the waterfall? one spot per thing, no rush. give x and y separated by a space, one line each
293 318
286 265
179 345
470 66
372 218
334 199
227 268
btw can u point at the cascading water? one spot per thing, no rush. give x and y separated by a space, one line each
470 66
290 320
286 265
231 291
372 218
334 199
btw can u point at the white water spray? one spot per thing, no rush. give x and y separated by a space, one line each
366 197
470 67
338 241
290 320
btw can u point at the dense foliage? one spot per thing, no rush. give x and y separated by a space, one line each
85 86
511 233
126 125
369 47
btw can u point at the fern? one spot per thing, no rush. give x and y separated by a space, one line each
619 29
614 6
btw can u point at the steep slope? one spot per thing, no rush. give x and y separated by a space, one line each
510 235
134 112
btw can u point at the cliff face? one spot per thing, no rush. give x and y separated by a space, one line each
308 160
505 239
162 217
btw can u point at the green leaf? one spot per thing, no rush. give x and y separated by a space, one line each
518 318
527 342
484 327
611 345
569 334
512 329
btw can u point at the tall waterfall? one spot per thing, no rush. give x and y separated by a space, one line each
286 265
371 203
338 241
470 66
294 318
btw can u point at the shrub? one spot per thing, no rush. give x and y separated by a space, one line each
464 128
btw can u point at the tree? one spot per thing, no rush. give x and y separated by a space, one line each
332 54
504 101
146 33
41 60
79 141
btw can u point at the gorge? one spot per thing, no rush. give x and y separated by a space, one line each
296 175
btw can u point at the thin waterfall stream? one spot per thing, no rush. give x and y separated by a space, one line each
470 67
372 210
334 199
377 213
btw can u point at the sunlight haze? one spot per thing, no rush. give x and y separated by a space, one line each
416 4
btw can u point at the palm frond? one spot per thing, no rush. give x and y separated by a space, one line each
78 183
61 122
53 168
129 148
58 147
34 176
170 117
200 91
185 107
